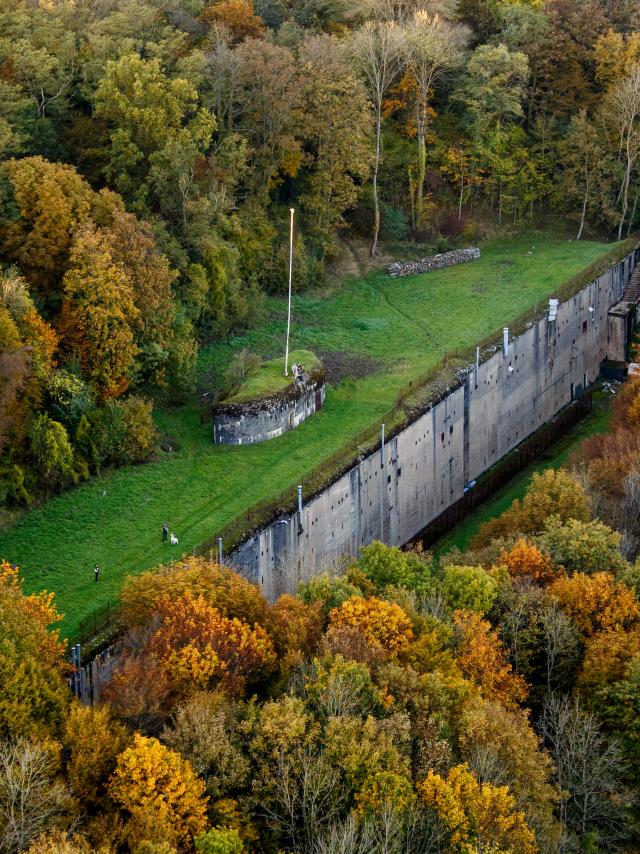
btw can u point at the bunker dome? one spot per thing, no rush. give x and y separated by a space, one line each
267 404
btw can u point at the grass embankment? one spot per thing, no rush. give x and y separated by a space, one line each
554 457
269 378
403 326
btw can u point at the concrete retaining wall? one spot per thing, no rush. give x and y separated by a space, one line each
427 465
258 420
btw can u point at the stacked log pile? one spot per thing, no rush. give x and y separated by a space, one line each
435 262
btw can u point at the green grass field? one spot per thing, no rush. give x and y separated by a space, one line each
269 378
404 325
555 457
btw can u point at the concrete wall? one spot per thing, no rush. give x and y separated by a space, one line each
256 421
427 465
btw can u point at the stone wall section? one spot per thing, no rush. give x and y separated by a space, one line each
434 262
426 466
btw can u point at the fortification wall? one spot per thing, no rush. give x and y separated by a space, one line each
392 496
258 420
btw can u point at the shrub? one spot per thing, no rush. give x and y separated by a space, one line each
469 587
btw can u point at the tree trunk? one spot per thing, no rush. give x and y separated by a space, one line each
461 196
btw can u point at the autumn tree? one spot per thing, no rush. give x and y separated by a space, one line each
384 625
226 590
524 560
482 659
160 797
550 493
204 730
98 313
476 814
434 48
586 767
587 547
377 54
469 587
596 602
33 694
622 113
236 15
336 132
269 96
49 202
153 118
93 741
199 647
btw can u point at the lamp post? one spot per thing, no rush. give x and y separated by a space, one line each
286 357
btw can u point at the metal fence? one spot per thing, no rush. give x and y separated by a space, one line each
101 621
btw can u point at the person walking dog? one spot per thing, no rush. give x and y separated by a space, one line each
165 532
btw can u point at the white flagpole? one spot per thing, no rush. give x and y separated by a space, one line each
286 357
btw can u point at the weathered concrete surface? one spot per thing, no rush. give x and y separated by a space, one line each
427 465
258 420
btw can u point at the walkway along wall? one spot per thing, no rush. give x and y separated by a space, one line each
392 494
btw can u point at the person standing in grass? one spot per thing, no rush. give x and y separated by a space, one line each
165 532
96 572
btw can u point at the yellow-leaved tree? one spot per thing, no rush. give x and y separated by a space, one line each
97 314
158 793
384 625
475 816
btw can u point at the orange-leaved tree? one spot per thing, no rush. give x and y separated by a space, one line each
482 658
159 794
384 625
199 647
596 602
227 591
525 560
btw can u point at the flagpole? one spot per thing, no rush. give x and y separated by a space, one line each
286 357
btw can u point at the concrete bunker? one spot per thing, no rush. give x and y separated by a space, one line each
251 421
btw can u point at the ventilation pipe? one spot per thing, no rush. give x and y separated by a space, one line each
382 446
553 309
505 340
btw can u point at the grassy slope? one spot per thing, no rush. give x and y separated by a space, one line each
407 324
269 377
596 422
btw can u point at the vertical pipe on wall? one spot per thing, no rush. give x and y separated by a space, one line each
505 341
220 550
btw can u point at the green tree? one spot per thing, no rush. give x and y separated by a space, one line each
469 587
52 453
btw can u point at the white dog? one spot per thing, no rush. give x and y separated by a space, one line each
173 539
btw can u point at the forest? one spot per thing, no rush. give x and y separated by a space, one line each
150 151
487 701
